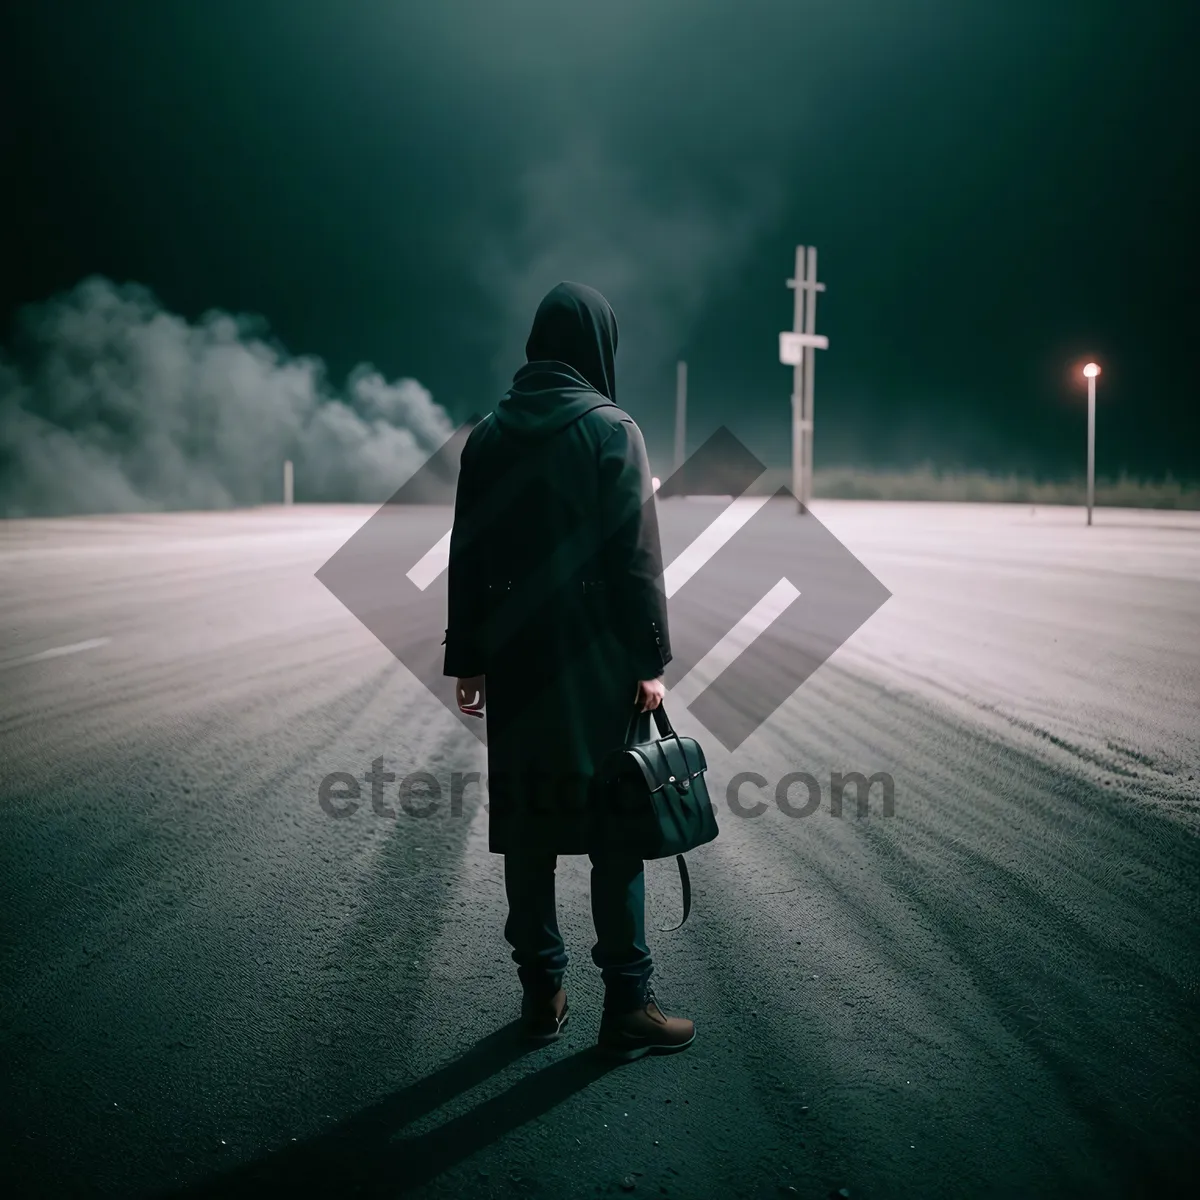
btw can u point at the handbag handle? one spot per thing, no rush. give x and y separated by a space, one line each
639 724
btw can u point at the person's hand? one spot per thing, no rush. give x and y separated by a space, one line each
650 693
471 695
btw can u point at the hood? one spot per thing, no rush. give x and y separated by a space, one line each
546 397
571 354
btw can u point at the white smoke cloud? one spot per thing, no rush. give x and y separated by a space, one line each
109 403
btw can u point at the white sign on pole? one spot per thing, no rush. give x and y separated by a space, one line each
791 345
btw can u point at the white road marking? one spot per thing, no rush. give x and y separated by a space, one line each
56 652
751 626
432 563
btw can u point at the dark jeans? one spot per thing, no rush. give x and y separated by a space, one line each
618 912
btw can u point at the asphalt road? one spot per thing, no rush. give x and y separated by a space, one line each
212 987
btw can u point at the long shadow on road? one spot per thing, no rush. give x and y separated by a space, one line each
363 1154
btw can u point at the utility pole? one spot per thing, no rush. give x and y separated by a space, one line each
287 481
680 413
799 429
797 349
810 329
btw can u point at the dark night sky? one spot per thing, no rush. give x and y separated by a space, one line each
995 189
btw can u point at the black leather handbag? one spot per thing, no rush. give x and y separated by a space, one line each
650 797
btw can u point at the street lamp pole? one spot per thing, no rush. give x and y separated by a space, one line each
1091 371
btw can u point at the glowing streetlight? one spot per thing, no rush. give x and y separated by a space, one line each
1090 372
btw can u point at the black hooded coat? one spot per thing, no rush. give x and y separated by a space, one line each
555 576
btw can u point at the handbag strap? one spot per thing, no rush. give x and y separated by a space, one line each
685 882
639 723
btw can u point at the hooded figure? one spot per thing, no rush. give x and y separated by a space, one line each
556 599
555 575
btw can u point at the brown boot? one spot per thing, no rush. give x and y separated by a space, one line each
645 1030
543 1017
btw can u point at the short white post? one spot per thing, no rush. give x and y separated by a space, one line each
287 482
